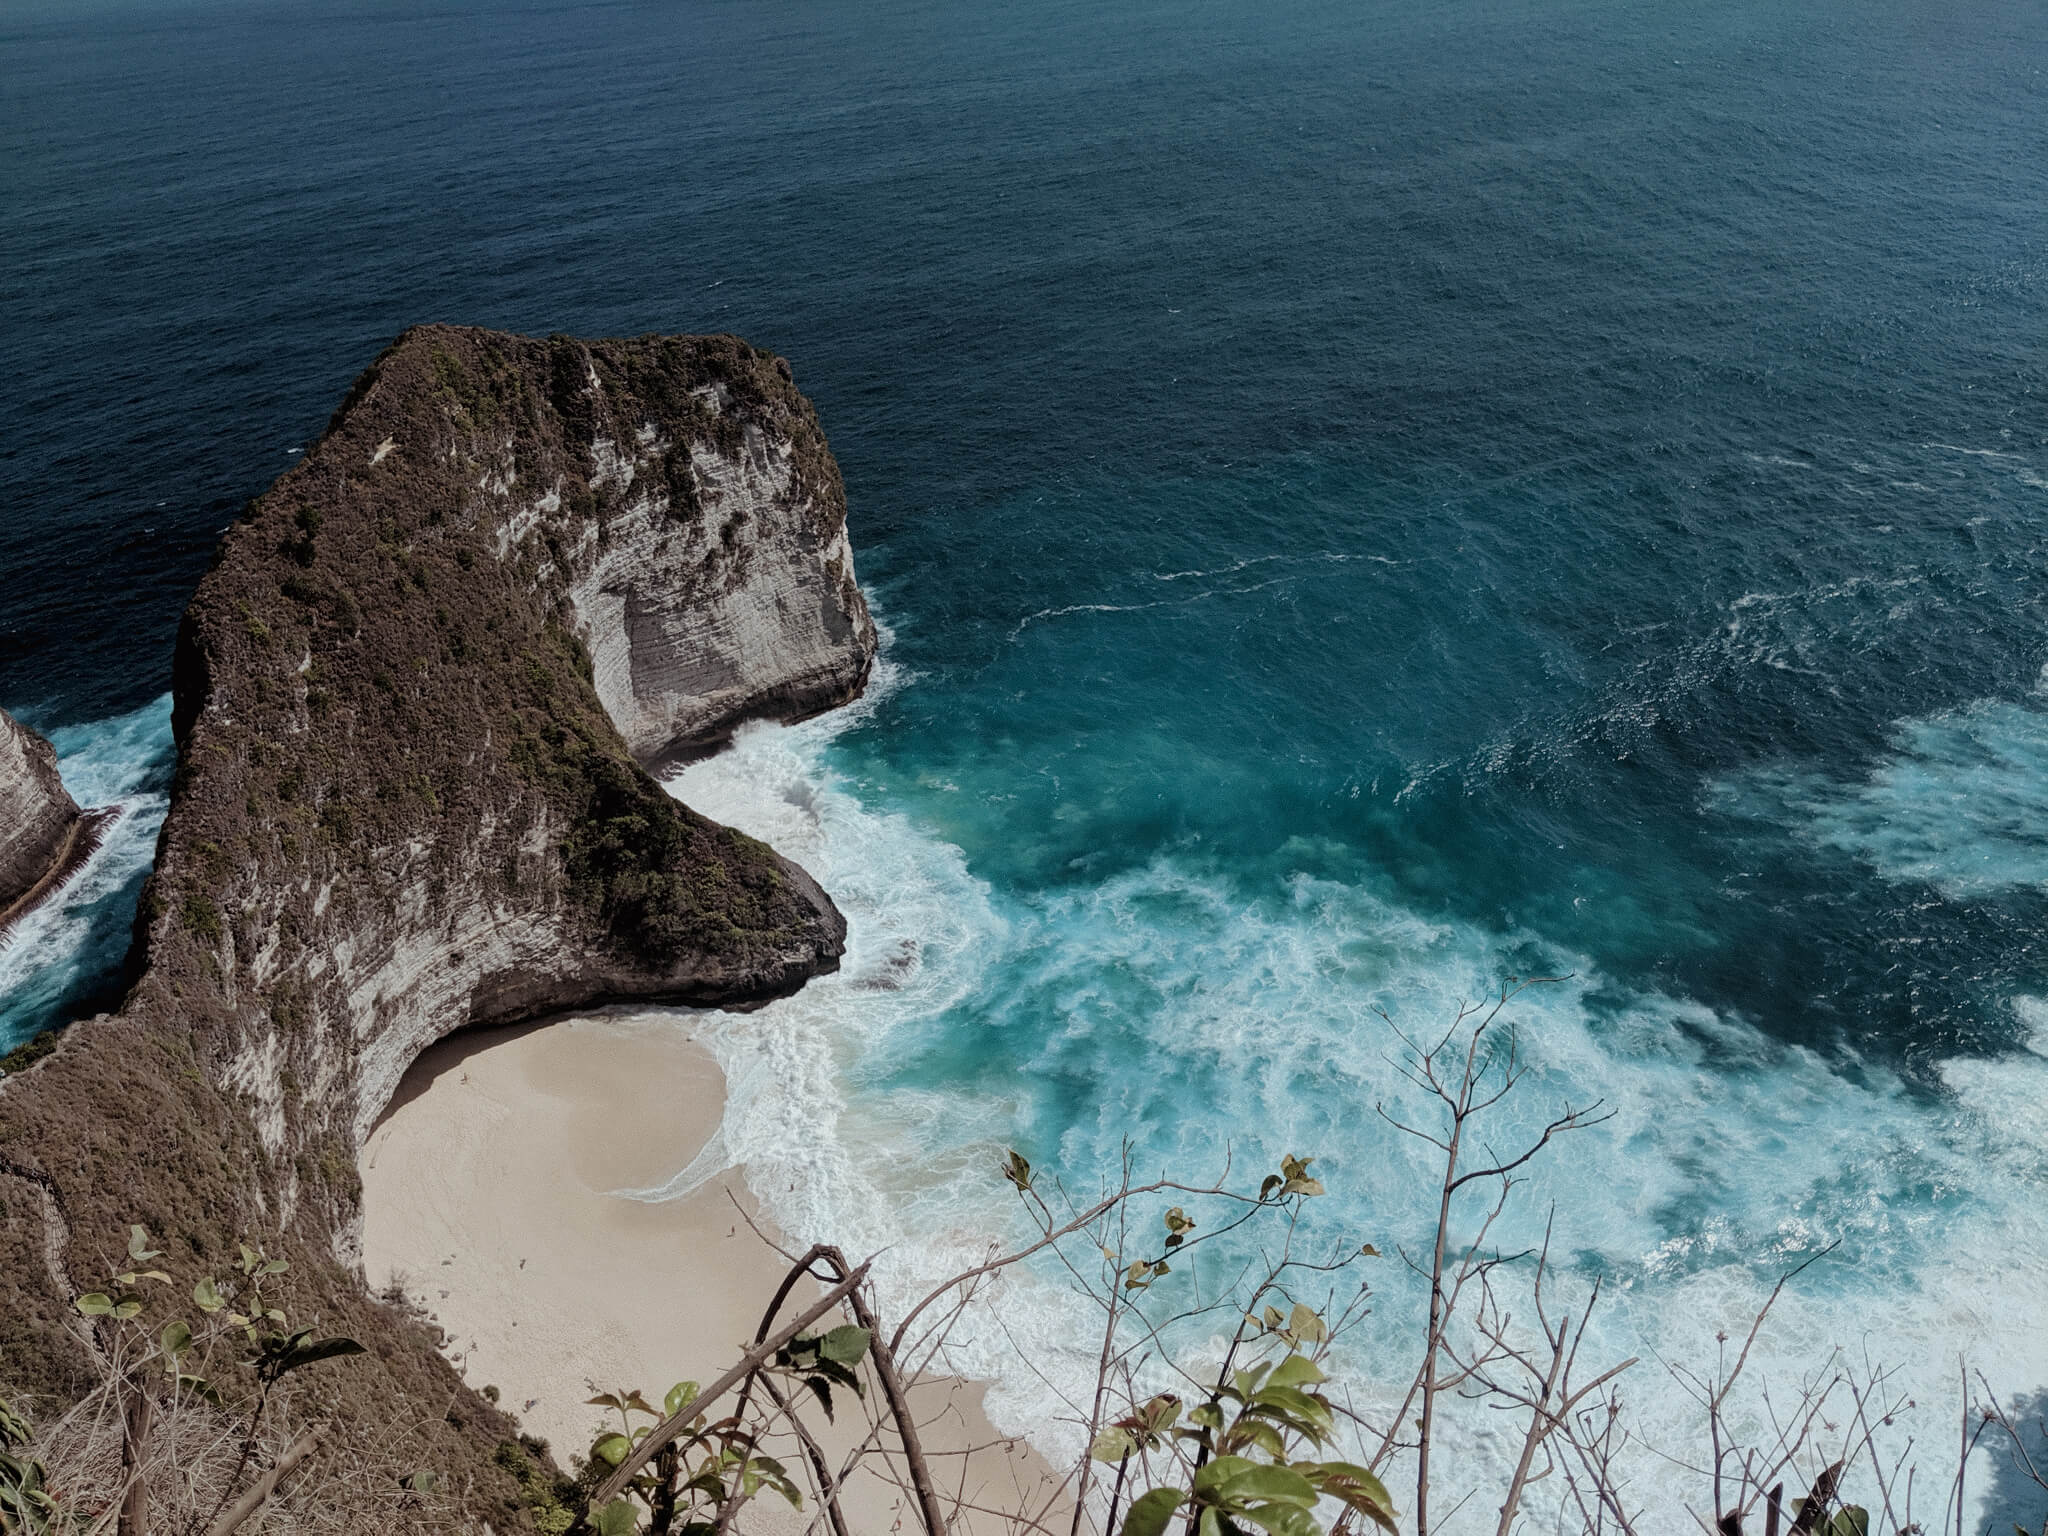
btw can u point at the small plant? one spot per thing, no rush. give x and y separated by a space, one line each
26 1502
238 1324
695 1482
1242 1455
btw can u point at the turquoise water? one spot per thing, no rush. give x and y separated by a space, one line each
64 960
1367 500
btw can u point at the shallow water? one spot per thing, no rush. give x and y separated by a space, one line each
1368 500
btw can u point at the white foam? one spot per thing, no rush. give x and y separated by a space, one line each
1960 803
105 764
1161 1006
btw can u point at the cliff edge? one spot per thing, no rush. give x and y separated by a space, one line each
39 821
413 698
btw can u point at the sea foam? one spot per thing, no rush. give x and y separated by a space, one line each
61 949
1165 1010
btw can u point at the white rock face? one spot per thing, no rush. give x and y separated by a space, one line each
740 605
748 608
38 818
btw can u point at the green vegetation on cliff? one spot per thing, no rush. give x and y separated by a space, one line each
401 807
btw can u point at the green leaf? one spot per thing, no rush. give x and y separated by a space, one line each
315 1350
95 1304
201 1387
1307 1414
1357 1487
845 1345
176 1337
1264 1436
1281 1485
1112 1445
1150 1512
616 1519
1248 1380
613 1448
1304 1324
275 1267
1296 1371
1282 1519
423 1481
766 1469
1344 1478
1850 1520
605 1400
1220 1471
678 1395
207 1297
127 1307
1160 1412
138 1246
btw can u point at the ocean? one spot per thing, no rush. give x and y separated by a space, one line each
1365 500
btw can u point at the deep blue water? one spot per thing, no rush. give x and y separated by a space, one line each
1368 498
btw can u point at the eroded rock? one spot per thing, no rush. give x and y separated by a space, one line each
39 821
404 802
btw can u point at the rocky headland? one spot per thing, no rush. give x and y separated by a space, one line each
413 701
43 834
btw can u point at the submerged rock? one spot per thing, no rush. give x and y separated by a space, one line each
39 821
413 698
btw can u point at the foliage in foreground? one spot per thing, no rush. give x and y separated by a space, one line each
189 1393
1259 1441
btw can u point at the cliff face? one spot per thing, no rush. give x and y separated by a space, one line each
412 698
38 819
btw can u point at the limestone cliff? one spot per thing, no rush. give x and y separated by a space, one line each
412 700
39 822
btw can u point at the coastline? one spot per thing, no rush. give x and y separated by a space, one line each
488 1194
87 836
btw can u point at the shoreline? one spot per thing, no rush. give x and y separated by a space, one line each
87 836
490 1204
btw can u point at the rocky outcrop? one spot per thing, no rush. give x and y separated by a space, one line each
412 701
707 604
39 821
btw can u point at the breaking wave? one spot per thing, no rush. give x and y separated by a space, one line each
1173 1009
60 958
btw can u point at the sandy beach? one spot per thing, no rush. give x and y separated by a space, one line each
489 1198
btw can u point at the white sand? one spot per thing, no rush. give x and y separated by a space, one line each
487 1192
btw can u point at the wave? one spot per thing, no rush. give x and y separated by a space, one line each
1959 803
1171 1010
59 957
